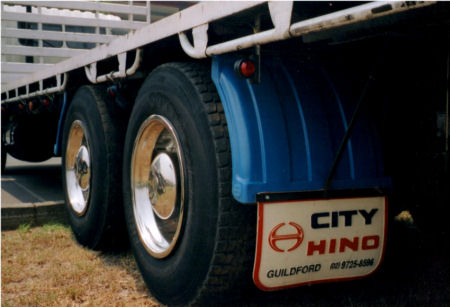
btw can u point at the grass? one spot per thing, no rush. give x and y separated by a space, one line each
24 228
44 266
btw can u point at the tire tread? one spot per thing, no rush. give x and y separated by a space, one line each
114 127
231 266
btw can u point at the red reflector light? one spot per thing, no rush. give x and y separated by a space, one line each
46 102
21 106
247 68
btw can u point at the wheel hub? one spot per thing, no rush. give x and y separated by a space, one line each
158 186
78 168
163 186
81 167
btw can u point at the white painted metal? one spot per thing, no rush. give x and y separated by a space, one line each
189 18
58 36
23 67
197 18
42 51
60 86
87 6
324 22
280 13
68 19
353 15
91 70
137 61
200 36
8 77
73 21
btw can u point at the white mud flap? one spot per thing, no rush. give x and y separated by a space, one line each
318 240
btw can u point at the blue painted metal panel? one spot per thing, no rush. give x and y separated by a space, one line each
286 130
58 141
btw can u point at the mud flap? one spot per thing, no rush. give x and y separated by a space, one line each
318 240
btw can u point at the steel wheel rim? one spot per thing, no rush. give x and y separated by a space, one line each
78 168
157 183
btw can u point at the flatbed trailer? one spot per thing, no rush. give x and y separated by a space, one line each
231 140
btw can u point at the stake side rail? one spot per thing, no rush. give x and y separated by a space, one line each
197 19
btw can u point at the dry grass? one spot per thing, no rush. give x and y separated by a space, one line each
44 266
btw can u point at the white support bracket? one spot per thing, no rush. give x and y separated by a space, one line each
200 36
91 72
122 72
280 13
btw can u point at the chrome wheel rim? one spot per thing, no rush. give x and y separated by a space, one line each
157 183
78 168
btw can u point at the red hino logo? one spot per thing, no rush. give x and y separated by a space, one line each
297 236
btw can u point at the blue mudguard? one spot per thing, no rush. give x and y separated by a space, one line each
285 131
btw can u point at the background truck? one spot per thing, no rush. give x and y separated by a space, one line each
225 138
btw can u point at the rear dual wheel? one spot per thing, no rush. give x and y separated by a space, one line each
92 148
191 241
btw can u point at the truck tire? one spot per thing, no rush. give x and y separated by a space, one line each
91 157
191 241
4 155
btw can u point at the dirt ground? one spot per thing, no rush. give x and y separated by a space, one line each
44 266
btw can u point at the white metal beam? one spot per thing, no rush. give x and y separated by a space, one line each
85 6
42 51
73 21
23 67
57 36
354 15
